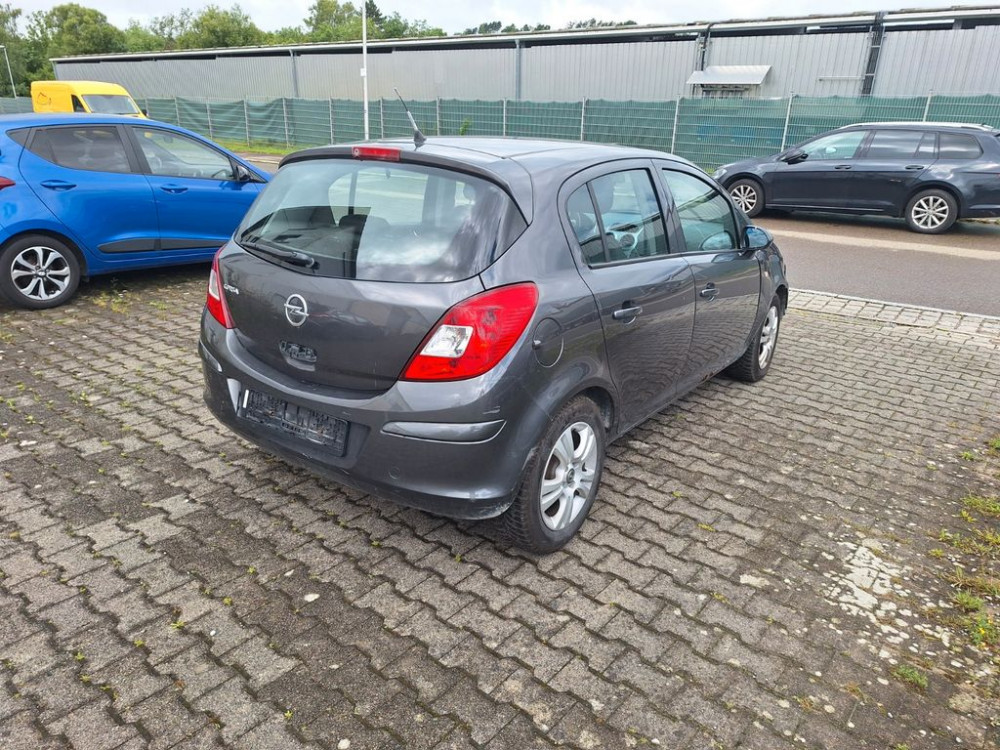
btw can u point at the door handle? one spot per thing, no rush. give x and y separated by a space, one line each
173 188
626 313
58 184
709 292
843 166
914 167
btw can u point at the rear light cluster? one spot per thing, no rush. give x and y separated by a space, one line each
5 183
216 302
474 335
379 153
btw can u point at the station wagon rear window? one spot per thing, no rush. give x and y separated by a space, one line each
383 222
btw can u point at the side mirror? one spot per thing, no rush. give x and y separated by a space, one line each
794 156
757 237
243 174
145 112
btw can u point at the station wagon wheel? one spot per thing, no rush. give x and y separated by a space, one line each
560 481
768 337
38 272
931 212
748 196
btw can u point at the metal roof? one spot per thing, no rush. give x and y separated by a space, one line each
729 75
814 23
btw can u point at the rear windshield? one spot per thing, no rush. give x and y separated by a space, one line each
111 104
381 221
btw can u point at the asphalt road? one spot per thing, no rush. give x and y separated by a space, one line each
879 258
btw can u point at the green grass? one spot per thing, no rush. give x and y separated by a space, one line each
259 147
983 630
967 602
911 675
988 506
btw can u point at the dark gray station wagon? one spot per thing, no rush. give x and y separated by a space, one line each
463 326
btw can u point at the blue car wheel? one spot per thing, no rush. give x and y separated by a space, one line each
38 272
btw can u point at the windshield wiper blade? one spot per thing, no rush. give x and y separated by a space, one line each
294 257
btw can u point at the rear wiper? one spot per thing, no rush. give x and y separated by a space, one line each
289 256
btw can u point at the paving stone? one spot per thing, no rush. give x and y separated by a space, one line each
705 604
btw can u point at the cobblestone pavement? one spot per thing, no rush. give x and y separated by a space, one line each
764 567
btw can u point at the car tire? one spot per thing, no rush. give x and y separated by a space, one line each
560 481
756 360
931 211
38 272
748 196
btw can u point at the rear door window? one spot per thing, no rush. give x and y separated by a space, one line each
95 149
383 221
617 217
958 146
899 144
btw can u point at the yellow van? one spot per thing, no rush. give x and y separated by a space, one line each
83 96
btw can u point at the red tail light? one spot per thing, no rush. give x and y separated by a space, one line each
474 335
375 152
5 183
216 302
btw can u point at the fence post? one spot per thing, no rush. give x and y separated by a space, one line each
246 119
381 118
437 111
177 111
208 113
583 117
504 131
284 113
927 106
673 131
788 118
332 139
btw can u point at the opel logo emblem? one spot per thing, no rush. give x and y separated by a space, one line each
296 310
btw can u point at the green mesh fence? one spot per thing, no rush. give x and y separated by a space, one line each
812 116
984 110
17 106
709 132
544 119
645 124
475 117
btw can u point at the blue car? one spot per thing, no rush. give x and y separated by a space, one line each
83 195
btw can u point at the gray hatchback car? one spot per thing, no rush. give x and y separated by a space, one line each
464 325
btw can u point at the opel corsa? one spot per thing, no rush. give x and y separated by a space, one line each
464 325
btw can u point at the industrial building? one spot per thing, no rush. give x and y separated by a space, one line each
952 51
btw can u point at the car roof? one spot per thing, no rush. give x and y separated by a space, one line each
925 125
515 163
40 119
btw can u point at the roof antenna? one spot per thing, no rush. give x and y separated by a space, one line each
418 137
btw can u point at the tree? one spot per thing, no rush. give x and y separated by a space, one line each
65 31
11 39
215 27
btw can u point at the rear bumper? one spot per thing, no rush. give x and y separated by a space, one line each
445 448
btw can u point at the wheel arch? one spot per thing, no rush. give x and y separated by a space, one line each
81 258
943 186
605 403
782 292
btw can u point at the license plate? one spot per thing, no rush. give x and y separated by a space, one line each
297 421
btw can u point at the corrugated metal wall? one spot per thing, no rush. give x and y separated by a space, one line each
807 64
959 61
640 71
956 61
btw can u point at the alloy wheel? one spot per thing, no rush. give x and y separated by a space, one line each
40 273
745 197
569 476
930 212
768 337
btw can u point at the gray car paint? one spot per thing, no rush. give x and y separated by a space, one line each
572 345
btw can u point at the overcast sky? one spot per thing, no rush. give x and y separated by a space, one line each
456 15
